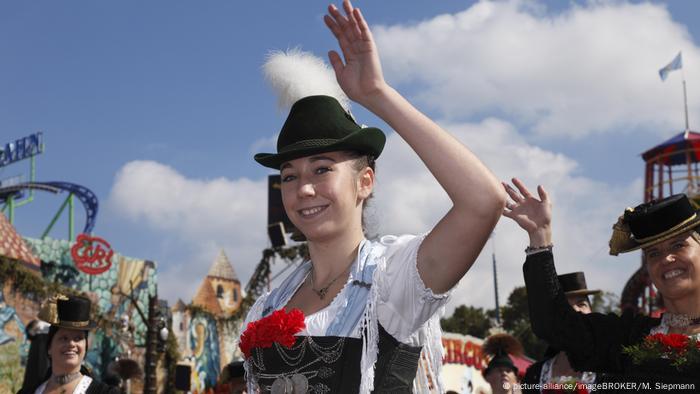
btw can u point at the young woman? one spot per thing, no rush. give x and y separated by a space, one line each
369 306
67 343
623 347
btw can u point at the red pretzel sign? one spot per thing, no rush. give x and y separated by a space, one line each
92 255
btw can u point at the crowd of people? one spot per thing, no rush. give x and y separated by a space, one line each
361 315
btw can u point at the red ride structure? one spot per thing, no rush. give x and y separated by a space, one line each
671 168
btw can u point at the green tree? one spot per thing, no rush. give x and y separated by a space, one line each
605 302
515 318
467 320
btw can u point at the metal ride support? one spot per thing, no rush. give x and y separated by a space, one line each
71 213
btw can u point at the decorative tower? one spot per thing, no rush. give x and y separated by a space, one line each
220 291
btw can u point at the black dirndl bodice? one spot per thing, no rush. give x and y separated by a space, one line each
332 365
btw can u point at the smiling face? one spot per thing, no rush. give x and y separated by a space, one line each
323 194
674 266
67 350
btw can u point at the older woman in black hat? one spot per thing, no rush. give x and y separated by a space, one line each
369 306
67 343
646 352
556 368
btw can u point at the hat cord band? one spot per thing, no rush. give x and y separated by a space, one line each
672 229
74 323
314 143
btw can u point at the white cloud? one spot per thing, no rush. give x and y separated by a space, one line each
409 200
199 216
589 69
268 144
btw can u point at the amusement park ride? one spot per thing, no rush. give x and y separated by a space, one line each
14 192
670 168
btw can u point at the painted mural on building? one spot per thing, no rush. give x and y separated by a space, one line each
117 292
206 337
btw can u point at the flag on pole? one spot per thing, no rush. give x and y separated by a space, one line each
675 64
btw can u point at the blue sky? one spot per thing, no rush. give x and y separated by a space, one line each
158 107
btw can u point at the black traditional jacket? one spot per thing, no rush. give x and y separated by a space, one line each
594 342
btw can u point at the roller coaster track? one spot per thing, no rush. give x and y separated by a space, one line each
85 195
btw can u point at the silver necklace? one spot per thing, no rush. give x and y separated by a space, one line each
291 360
680 320
321 293
67 378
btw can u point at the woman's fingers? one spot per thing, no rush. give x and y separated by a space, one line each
513 193
352 26
338 32
542 193
348 27
365 33
522 188
336 62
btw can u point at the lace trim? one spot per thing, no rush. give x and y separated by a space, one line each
432 352
427 293
546 374
370 327
663 328
254 313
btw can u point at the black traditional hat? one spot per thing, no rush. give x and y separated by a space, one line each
574 284
500 360
653 222
499 346
68 312
318 124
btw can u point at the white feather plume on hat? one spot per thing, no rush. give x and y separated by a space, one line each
296 74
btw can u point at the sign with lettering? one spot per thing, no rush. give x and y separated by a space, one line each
92 255
21 149
463 349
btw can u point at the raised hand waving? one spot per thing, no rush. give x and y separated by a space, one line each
360 74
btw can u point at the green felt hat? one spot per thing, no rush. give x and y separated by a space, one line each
318 124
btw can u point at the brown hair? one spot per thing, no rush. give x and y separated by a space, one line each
360 162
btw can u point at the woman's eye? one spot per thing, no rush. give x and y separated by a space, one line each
288 178
322 170
678 245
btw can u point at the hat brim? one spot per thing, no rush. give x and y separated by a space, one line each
634 245
497 364
368 140
581 292
72 326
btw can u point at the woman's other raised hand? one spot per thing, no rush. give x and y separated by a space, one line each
531 214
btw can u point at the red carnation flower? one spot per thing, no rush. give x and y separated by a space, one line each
676 342
279 327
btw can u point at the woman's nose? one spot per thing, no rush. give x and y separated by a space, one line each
306 189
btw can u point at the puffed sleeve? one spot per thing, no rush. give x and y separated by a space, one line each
405 303
593 342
